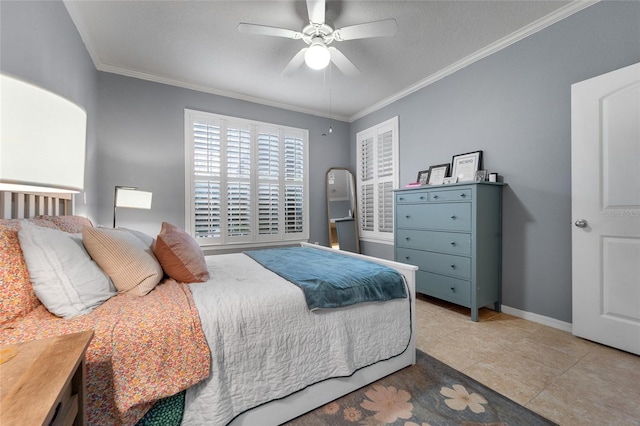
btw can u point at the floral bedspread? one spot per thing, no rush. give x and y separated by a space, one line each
143 349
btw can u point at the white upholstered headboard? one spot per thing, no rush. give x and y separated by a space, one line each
18 205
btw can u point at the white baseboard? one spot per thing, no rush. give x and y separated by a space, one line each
540 319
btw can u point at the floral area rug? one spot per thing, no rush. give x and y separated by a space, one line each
428 393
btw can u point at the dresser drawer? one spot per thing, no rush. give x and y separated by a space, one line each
444 242
450 195
455 266
447 217
412 197
447 288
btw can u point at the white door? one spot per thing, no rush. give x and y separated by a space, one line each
605 191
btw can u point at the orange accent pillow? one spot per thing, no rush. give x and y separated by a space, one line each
180 255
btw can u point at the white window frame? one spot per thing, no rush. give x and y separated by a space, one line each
374 180
254 239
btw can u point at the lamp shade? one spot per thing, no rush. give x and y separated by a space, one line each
42 139
133 199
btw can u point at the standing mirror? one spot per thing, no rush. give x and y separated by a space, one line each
342 210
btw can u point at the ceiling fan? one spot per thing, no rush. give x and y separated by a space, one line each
318 36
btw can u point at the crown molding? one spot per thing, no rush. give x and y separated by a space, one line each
542 23
74 12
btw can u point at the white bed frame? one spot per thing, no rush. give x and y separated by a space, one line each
282 410
20 205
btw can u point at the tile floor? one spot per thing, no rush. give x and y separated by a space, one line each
564 378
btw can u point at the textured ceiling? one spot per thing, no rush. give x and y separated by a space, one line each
196 44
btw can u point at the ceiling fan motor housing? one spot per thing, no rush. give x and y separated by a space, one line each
313 31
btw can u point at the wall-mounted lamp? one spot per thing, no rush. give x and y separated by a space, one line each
129 197
42 139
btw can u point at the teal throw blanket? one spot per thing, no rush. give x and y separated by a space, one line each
332 280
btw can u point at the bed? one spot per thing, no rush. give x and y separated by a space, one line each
183 351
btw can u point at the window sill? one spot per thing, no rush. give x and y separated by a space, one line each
377 240
240 247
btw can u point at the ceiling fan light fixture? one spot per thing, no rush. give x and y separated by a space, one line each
317 56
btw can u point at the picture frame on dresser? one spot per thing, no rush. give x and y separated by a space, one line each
438 173
465 166
481 175
423 177
450 180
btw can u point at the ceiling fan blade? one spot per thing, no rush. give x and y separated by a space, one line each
342 62
294 63
256 29
316 11
386 27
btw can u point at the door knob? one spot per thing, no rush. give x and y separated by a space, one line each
581 223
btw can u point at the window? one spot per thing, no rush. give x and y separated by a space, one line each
246 182
377 177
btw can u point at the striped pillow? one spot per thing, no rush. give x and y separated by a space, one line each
131 266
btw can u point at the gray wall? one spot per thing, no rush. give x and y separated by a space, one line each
39 44
141 144
515 106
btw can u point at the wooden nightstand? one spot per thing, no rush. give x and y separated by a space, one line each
45 382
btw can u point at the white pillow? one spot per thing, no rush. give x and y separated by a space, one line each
65 279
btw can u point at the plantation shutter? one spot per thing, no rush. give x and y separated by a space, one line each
294 185
377 152
269 183
367 206
246 182
385 181
238 182
206 167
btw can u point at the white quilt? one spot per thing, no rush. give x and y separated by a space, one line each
265 343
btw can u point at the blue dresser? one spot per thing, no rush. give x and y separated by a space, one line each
453 233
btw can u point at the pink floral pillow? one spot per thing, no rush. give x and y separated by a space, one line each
14 224
72 224
17 297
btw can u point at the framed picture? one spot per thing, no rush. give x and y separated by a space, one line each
437 174
465 166
423 177
449 180
481 175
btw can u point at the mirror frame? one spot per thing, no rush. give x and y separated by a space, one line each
354 197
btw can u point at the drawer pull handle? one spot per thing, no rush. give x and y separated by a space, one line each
406 257
407 216
407 238
401 198
463 195
453 217
435 197
453 243
453 266
453 289
422 197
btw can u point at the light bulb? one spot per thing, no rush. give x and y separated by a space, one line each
317 55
